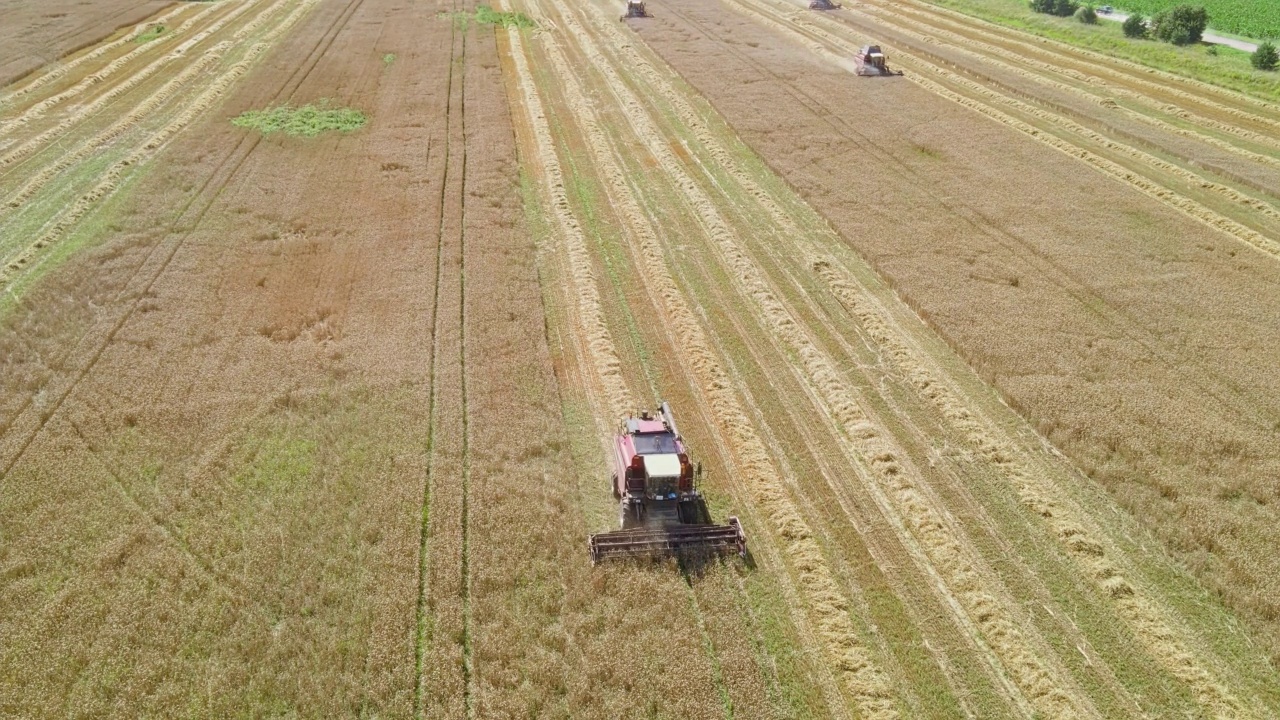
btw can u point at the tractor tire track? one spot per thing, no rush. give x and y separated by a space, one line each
445 673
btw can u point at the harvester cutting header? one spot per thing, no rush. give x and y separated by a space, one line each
660 508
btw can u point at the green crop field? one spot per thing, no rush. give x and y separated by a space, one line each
1252 18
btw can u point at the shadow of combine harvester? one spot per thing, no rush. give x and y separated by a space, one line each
660 509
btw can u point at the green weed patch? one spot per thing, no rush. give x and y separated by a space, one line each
305 121
486 15
152 33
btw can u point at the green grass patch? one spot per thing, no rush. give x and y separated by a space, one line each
486 15
152 33
388 58
305 121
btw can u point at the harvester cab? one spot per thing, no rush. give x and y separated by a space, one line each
870 62
635 9
823 5
660 508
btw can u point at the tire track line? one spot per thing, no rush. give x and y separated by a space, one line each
427 633
828 607
468 661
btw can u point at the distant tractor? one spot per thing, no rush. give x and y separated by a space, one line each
635 9
870 62
823 5
660 509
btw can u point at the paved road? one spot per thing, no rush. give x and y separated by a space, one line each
1208 37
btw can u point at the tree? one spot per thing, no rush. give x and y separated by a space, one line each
1265 57
1061 8
1181 25
1087 15
1134 26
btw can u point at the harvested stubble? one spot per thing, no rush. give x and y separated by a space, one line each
613 590
864 680
785 153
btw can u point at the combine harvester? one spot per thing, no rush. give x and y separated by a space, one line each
635 9
660 510
870 62
823 5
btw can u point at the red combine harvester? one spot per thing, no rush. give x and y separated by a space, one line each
660 509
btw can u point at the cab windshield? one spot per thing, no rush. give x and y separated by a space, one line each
655 443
